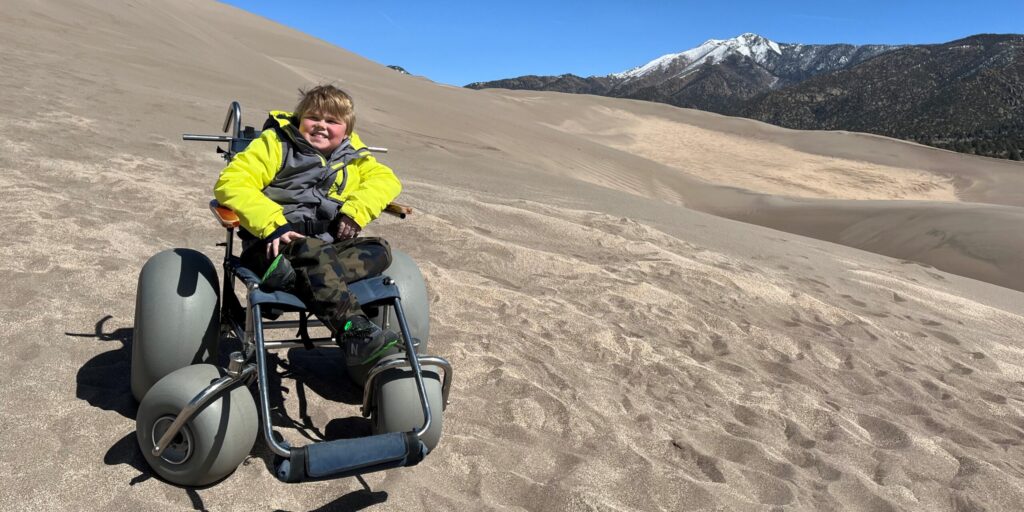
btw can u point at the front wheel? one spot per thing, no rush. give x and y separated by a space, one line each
397 408
212 444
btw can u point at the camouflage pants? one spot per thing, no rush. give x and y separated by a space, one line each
323 269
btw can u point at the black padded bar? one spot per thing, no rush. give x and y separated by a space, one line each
349 457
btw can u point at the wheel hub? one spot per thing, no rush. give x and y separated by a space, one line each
180 448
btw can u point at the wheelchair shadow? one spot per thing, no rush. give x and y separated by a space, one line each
320 371
355 500
126 451
323 371
104 381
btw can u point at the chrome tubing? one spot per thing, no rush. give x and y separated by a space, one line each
446 384
196 404
264 384
249 341
205 138
234 113
227 286
410 350
317 342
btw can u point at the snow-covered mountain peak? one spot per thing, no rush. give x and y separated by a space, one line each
713 50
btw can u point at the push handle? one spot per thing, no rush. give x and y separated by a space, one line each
234 114
350 457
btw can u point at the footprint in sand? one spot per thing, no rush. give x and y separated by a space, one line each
748 416
960 369
812 282
768 489
796 436
934 390
719 345
707 465
992 397
946 337
884 434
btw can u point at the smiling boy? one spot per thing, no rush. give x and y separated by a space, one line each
304 190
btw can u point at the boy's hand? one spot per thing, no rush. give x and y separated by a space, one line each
274 246
347 228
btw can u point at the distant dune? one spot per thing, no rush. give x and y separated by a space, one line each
648 308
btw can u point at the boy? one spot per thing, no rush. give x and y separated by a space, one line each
303 191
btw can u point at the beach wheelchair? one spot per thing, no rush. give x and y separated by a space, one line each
197 418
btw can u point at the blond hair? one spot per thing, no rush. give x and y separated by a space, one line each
328 100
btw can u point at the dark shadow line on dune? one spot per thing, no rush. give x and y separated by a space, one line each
355 500
126 451
197 502
104 380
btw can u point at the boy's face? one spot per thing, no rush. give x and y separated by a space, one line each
323 131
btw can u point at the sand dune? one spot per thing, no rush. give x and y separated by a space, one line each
760 165
625 335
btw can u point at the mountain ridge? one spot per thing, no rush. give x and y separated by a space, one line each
755 77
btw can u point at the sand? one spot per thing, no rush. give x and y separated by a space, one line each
647 308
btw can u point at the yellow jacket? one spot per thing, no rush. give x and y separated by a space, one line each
279 181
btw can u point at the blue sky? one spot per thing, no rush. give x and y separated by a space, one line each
459 42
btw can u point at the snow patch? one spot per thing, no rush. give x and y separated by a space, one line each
713 50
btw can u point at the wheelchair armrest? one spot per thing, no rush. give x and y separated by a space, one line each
247 276
227 217
398 210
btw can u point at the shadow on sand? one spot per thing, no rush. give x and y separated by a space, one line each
104 381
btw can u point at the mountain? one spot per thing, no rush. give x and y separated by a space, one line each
711 76
965 95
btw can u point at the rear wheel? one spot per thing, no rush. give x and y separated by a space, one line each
212 444
176 316
415 302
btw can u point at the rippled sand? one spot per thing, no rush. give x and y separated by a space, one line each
644 305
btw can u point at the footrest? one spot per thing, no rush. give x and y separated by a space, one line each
349 457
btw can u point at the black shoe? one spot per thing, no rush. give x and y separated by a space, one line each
364 342
280 275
